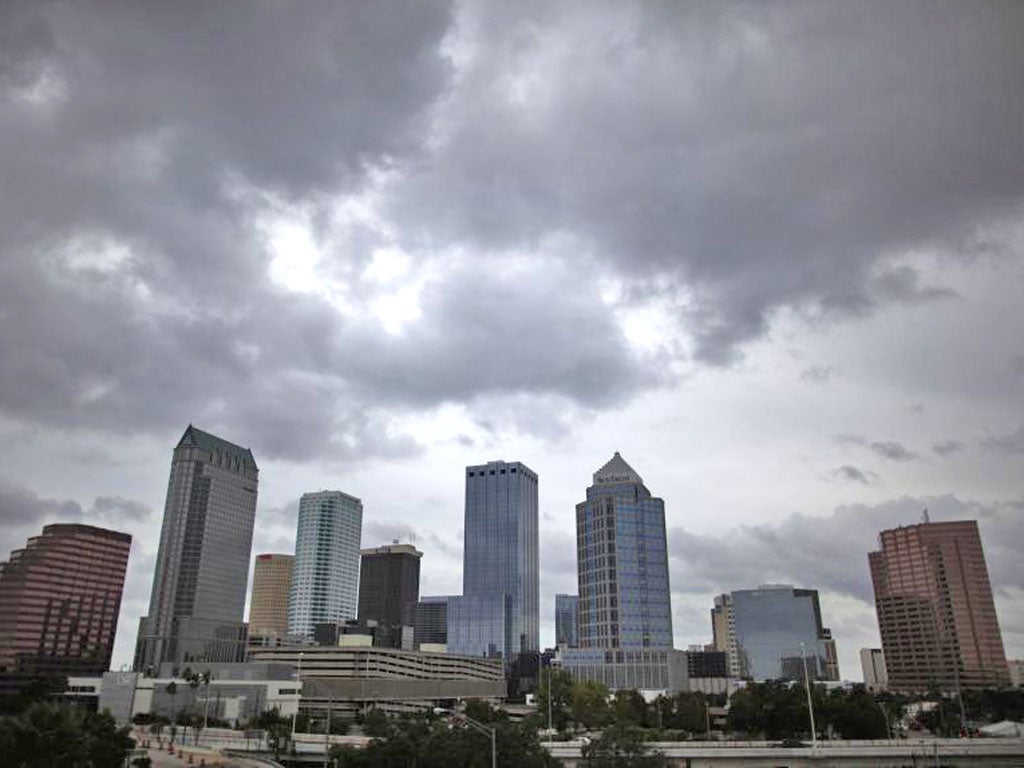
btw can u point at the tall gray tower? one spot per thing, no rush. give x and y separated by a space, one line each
498 613
202 569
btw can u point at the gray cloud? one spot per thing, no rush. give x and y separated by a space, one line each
890 449
143 148
23 513
886 449
948 447
850 472
830 552
1010 444
694 144
817 374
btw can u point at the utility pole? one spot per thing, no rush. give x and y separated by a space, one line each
327 732
810 702
298 700
550 694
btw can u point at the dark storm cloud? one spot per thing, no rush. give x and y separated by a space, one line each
23 513
759 156
830 553
727 159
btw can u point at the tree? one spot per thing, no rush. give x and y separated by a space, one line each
590 704
629 708
853 715
774 710
375 723
621 747
560 684
56 736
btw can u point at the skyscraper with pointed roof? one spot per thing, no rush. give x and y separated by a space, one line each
622 563
198 600
625 612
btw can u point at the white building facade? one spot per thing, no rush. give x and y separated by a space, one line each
325 576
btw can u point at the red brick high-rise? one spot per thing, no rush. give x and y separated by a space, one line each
59 601
935 609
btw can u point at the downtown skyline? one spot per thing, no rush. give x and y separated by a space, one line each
724 240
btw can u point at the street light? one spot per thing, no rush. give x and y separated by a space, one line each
487 730
298 678
810 703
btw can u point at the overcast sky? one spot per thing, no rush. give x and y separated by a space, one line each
771 252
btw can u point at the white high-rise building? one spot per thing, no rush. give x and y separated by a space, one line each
325 576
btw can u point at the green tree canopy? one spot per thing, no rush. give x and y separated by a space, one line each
590 704
57 736
621 747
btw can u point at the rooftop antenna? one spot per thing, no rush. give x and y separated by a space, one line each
924 516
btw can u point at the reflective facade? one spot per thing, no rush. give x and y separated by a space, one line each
499 611
622 563
325 576
202 569
431 620
59 601
771 631
566 621
935 610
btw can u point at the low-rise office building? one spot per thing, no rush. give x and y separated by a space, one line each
236 692
351 679
643 669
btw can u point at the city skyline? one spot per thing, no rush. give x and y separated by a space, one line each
770 254
613 473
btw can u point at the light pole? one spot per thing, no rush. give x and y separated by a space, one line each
549 700
487 730
810 702
207 676
298 679
327 733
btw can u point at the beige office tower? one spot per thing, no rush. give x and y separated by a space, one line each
872 664
271 585
935 609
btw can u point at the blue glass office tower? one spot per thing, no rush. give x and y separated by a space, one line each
566 610
622 563
498 613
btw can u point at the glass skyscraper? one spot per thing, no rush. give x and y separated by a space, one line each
202 568
769 632
498 613
325 576
622 563
566 610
